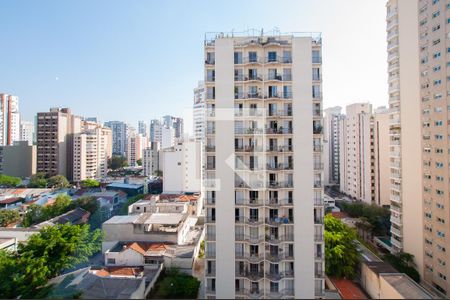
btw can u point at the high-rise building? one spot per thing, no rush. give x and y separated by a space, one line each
143 129
381 165
407 194
155 131
181 165
54 136
176 123
356 153
150 159
331 119
9 119
27 132
199 111
92 149
18 159
135 146
120 132
264 95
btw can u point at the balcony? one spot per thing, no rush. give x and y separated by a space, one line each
277 257
247 131
252 275
280 275
210 148
210 219
211 255
249 238
317 184
279 221
279 113
318 220
317 148
251 257
248 220
318 238
318 166
396 231
210 272
279 294
317 129
249 202
279 166
276 239
252 60
210 62
319 274
279 149
279 184
247 148
251 294
280 130
280 95
396 220
276 77
279 202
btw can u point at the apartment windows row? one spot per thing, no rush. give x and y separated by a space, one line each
284 56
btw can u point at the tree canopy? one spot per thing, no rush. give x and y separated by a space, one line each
58 182
37 213
378 217
117 162
8 216
44 256
9 181
341 254
89 183
38 180
404 263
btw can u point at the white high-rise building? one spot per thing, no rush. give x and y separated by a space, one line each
263 96
91 150
199 111
181 167
150 159
143 129
9 119
27 132
167 137
155 131
408 51
135 146
331 119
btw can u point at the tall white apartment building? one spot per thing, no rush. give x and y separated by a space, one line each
27 132
331 119
9 119
403 44
168 137
91 150
143 129
381 157
150 159
135 146
199 111
181 167
356 176
155 131
263 96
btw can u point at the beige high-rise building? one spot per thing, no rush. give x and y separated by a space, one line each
264 170
54 135
9 119
381 164
406 194
135 146
356 155
92 148
331 150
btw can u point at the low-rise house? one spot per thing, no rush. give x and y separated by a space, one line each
113 197
168 203
11 203
19 234
105 283
76 216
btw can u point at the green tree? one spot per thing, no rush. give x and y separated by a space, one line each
34 215
139 162
45 255
124 209
89 183
8 216
378 217
158 173
341 254
404 263
37 213
176 285
88 203
58 182
117 162
38 180
9 181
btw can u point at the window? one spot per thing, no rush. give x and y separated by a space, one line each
316 91
287 56
150 261
437 68
441 248
238 57
111 261
272 56
437 55
437 82
440 234
436 14
316 59
252 56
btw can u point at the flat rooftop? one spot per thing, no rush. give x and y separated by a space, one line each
165 218
406 287
122 219
125 185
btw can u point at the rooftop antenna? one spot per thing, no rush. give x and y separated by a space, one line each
262 31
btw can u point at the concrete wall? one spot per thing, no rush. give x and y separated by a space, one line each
19 160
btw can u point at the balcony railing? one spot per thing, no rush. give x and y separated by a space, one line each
252 257
248 220
210 219
280 238
279 113
318 166
210 148
279 202
317 129
249 202
249 238
279 221
280 275
277 257
319 274
318 237
252 275
242 95
318 220
279 166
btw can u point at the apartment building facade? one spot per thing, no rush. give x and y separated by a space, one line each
55 135
356 152
199 111
9 119
150 159
120 131
27 132
331 119
135 146
269 241
381 165
406 190
92 149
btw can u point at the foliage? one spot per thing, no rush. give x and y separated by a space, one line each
44 256
175 285
158 173
124 209
58 182
117 162
89 183
378 217
38 180
9 181
341 254
404 263
88 203
201 252
8 216
37 213
139 162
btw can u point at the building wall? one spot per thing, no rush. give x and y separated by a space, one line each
381 157
18 160
331 158
9 119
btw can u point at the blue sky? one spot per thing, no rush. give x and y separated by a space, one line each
137 60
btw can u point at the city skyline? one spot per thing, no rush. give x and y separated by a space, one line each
68 56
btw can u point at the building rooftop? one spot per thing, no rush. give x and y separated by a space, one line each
406 287
165 218
120 185
100 287
122 219
147 249
11 200
380 267
348 289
